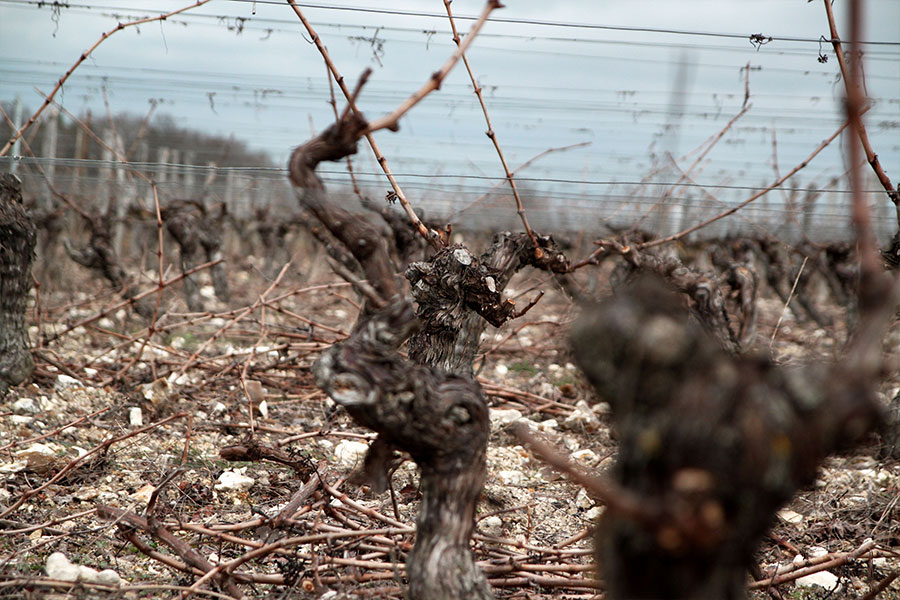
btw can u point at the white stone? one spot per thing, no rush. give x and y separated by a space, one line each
42 449
86 493
602 408
329 595
884 478
64 381
234 480
350 453
501 369
108 577
816 551
492 525
586 456
208 292
824 579
789 516
513 478
13 467
218 408
583 501
549 391
571 443
20 419
24 406
503 416
548 425
59 567
135 416
143 494
594 513
87 574
263 408
582 417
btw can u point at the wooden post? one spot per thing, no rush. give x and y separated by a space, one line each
77 171
173 172
48 151
104 173
229 192
143 194
120 195
162 158
188 178
17 121
210 177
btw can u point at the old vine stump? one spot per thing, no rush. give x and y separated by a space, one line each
17 241
438 417
711 444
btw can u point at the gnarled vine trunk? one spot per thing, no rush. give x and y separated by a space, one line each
439 417
17 241
712 444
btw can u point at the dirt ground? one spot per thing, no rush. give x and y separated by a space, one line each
114 420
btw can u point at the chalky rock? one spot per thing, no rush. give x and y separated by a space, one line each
823 579
234 480
503 416
350 453
59 567
492 525
582 417
26 406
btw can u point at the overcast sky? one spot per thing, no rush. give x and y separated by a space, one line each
554 74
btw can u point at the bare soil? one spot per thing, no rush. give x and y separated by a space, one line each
171 403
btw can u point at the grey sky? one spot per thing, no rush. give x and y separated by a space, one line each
545 85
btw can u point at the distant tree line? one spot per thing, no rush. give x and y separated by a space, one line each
140 138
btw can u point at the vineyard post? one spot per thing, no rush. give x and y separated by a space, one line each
17 121
48 151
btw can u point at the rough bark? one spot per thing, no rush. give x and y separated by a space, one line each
17 241
273 234
736 260
196 230
706 299
100 256
781 271
439 418
458 294
713 444
744 283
